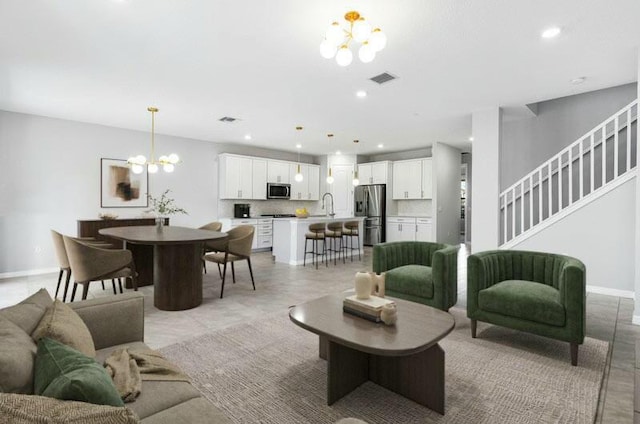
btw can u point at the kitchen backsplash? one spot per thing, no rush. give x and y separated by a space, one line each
415 207
260 207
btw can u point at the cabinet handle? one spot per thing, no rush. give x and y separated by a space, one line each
238 193
422 195
309 196
416 228
399 227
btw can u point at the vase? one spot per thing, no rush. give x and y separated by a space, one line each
363 285
159 223
377 284
389 314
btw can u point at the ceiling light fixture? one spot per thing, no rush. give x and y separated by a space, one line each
380 146
356 181
551 32
298 177
337 39
247 137
470 138
329 175
361 94
137 163
578 80
338 152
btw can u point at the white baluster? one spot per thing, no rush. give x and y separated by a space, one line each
513 213
628 140
615 146
570 177
540 196
581 172
530 201
549 180
604 155
559 183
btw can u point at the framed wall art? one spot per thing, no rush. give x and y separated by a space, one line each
120 187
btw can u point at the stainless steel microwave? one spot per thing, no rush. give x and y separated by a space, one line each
278 191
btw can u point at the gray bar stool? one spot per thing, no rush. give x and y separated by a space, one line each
315 234
351 230
334 234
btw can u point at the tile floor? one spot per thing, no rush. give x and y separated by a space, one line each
280 286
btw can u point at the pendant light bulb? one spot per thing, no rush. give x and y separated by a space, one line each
298 177
355 181
330 177
152 168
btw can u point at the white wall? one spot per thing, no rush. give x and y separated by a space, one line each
486 179
50 177
601 234
636 258
446 176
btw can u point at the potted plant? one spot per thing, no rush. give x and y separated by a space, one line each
163 207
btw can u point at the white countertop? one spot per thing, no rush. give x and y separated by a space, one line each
322 218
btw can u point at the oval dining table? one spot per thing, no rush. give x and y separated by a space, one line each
177 261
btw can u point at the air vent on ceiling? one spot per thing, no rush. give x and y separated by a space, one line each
227 119
383 77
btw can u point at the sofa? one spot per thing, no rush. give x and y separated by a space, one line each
115 322
419 271
537 292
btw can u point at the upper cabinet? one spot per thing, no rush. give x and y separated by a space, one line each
278 172
236 177
412 179
246 177
309 187
374 172
259 179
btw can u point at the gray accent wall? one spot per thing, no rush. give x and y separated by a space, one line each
527 143
50 178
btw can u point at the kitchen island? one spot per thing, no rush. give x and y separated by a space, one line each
289 237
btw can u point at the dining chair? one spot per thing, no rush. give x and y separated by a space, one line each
63 260
91 263
211 246
236 247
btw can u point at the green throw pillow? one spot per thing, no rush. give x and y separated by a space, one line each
62 372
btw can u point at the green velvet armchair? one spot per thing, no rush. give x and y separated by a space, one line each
419 271
536 292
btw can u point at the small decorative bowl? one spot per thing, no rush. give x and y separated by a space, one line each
107 215
302 215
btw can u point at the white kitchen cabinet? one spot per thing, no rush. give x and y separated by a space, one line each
407 179
299 189
235 177
314 183
424 229
373 173
278 172
401 229
259 179
229 223
427 179
309 187
264 236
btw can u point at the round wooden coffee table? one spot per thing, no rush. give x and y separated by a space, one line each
177 261
405 358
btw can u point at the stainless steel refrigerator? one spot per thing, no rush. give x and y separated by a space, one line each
370 202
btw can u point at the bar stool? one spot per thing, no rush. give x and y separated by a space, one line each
315 234
334 234
350 231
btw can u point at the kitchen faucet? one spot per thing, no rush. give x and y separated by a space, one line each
332 214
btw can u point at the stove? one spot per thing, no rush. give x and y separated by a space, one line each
280 215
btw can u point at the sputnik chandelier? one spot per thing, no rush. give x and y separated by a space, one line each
337 40
137 163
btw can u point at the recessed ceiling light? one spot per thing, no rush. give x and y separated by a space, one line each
298 146
578 80
470 138
247 137
338 152
361 94
551 32
380 146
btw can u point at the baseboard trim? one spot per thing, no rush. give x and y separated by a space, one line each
28 273
628 294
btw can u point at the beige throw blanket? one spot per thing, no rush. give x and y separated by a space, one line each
128 368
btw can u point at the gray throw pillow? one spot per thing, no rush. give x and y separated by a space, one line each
63 324
17 356
28 313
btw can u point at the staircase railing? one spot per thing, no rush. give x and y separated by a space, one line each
596 161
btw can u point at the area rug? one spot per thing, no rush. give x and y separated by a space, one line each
268 371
